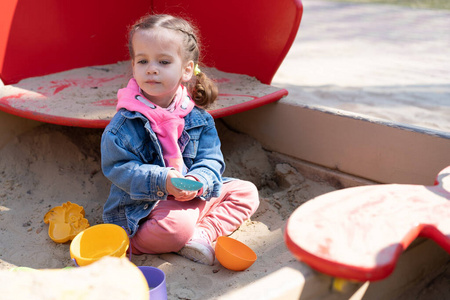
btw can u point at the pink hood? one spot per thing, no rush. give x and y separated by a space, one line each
167 124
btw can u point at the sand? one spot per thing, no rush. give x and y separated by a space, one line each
51 165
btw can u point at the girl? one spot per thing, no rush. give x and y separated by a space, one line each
161 131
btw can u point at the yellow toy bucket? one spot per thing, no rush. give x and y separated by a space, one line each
98 241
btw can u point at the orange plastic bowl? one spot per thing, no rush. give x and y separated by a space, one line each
233 254
98 241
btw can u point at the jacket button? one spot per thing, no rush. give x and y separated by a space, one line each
160 193
145 206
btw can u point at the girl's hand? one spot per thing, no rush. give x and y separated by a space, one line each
179 195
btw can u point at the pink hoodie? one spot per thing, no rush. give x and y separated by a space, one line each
167 123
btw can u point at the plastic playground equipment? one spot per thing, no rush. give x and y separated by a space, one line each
62 62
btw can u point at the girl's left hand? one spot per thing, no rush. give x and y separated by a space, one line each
179 195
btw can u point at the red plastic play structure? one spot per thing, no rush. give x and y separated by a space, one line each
359 233
38 38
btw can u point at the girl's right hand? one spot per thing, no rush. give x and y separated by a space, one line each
179 195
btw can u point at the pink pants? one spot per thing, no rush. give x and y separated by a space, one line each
171 223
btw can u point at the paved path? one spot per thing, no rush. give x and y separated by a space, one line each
381 61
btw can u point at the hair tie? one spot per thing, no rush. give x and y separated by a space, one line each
197 70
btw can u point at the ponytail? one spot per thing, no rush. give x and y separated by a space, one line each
204 91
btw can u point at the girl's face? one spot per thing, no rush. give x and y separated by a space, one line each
158 66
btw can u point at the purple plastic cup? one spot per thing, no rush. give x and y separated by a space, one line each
156 280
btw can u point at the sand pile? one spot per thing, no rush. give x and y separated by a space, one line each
51 165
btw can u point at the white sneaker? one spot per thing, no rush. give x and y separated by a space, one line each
198 250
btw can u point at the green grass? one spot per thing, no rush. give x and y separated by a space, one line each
433 4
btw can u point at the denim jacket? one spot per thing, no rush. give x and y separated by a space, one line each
132 160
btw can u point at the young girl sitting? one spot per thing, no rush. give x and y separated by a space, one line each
161 131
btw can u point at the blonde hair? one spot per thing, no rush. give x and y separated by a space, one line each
204 91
